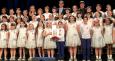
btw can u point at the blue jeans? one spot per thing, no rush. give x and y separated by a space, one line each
86 48
60 47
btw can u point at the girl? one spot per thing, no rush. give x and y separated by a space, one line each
22 37
18 23
61 41
25 16
39 13
108 27
49 44
67 14
3 41
85 31
11 13
72 37
97 39
18 13
39 38
12 40
54 12
46 14
75 10
30 44
34 21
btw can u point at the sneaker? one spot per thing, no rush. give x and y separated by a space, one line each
11 58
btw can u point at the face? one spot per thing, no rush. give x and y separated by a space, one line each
46 9
3 27
89 10
12 27
72 18
98 8
85 20
40 11
42 17
108 7
18 21
54 10
61 4
31 26
4 20
3 11
49 24
60 24
11 11
107 21
25 12
32 8
33 17
67 11
22 24
11 19
18 11
74 8
96 23
82 5
40 24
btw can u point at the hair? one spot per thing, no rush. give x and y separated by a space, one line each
4 17
73 17
5 27
36 30
104 20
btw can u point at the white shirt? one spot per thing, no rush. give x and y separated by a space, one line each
61 34
85 31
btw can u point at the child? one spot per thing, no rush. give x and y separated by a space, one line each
108 27
61 41
30 44
97 39
49 44
39 38
72 37
46 14
3 41
12 40
85 31
22 37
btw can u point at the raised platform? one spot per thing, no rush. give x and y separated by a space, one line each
43 59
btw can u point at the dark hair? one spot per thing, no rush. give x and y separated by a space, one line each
73 17
36 30
5 27
4 17
104 20
13 24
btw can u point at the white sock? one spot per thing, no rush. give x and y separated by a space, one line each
97 57
110 56
71 57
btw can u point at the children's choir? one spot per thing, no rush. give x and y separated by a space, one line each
60 28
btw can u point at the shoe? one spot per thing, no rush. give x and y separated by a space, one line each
88 60
83 60
11 58
100 60
5 59
61 60
75 59
30 58
70 59
19 58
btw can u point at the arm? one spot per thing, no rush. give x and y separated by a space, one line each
113 35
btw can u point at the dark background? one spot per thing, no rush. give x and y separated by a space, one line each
24 4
